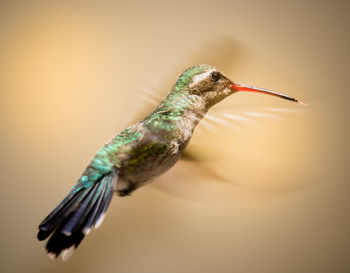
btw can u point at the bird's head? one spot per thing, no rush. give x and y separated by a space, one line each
212 86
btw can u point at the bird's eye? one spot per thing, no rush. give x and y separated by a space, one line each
215 76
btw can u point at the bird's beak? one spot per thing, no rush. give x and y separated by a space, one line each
242 87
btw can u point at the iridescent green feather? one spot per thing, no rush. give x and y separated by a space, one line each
173 106
106 159
144 152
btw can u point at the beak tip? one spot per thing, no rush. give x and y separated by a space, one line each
302 103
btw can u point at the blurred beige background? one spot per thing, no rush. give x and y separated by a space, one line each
268 190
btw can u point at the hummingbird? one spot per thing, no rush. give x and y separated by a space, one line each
138 154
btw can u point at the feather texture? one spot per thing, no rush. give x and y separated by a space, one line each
73 218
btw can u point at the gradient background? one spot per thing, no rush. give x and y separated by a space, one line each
268 189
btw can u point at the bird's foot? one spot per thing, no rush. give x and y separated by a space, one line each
127 191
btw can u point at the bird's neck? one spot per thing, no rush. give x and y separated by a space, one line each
178 112
182 105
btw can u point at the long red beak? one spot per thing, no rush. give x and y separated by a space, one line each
241 87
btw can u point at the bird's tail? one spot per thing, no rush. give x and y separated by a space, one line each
84 207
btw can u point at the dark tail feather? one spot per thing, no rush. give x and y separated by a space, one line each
73 218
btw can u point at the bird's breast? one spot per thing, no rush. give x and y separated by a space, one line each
159 148
150 160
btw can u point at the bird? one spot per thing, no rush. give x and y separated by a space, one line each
138 154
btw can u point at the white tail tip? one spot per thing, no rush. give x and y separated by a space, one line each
100 220
67 253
